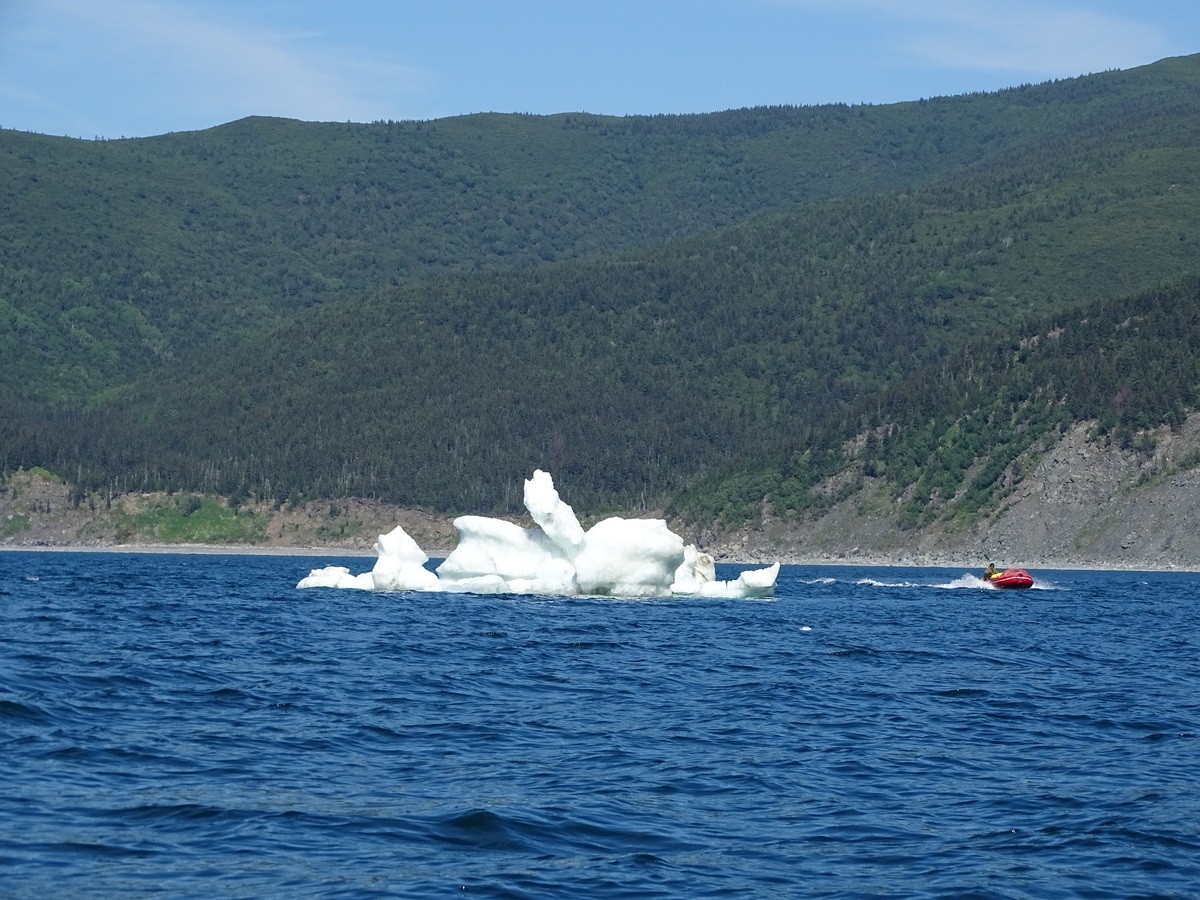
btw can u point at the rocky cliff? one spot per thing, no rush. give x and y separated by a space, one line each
1085 504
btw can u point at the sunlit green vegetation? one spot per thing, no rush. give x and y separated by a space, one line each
14 524
191 519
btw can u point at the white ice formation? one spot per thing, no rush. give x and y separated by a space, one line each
615 557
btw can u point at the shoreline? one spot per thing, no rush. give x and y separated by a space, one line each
863 561
192 549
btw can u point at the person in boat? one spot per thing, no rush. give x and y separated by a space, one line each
990 572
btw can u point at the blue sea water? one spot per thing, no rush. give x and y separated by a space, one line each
193 725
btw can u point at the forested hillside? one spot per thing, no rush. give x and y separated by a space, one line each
117 255
952 439
701 307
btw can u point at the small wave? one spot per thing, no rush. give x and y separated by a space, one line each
963 693
593 645
855 651
233 695
484 829
179 812
12 711
556 833
823 580
98 849
873 582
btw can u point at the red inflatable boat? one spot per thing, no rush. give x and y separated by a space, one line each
1012 579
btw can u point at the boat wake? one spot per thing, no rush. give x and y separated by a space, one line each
966 581
874 582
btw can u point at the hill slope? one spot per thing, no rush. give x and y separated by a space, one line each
115 256
632 376
1068 442
732 359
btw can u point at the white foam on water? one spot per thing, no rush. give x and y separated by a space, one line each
967 580
874 582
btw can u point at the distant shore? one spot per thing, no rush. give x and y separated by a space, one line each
207 549
1047 527
856 561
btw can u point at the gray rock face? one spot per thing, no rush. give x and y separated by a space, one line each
1084 505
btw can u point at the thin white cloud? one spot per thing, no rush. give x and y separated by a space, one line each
1036 38
214 67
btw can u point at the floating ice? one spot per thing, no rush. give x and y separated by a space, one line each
615 557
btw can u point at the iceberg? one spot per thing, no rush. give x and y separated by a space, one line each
615 557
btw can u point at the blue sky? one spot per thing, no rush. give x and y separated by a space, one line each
113 68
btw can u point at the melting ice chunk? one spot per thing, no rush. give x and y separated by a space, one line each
615 557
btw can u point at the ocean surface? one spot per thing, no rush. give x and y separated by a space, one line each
194 726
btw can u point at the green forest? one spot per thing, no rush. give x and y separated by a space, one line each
695 313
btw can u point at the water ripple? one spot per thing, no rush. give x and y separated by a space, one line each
193 726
